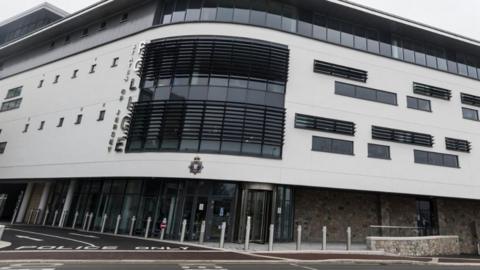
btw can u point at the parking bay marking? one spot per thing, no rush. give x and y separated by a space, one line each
84 235
53 236
29 238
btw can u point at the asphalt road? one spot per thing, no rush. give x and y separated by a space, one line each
25 238
207 266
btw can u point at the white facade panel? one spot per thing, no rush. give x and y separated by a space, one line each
82 150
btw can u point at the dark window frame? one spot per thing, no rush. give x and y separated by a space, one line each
3 147
418 108
477 119
357 96
429 159
78 121
60 122
332 141
388 157
101 115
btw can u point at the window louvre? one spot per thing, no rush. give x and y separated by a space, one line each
458 145
340 71
470 99
431 91
324 124
401 136
166 58
206 126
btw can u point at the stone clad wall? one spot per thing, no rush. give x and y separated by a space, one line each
315 208
462 218
416 246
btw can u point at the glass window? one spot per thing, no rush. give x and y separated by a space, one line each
274 99
397 50
333 31
319 27
252 148
329 145
256 97
372 42
360 40
217 93
14 92
209 10
437 159
218 81
241 14
386 97
210 146
198 93
231 147
258 16
258 85
276 88
289 19
378 151
225 10
167 11
238 82
179 93
420 55
3 145
408 55
470 114
347 35
385 49
274 18
180 10
365 93
162 93
193 11
305 26
344 89
442 63
236 95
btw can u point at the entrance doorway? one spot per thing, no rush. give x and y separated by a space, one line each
256 204
426 217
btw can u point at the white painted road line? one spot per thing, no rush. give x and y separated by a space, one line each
29 238
84 235
53 236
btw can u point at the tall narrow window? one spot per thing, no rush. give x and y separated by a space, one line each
470 114
25 129
124 17
102 26
40 84
3 145
79 119
101 115
84 32
60 122
42 125
57 77
92 68
75 73
115 62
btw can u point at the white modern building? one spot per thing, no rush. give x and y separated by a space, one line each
319 113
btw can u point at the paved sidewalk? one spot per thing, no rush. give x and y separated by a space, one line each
291 246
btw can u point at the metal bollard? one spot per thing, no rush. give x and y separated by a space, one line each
324 238
132 225
104 220
90 221
2 229
75 220
45 217
85 220
184 228
247 233
299 237
202 232
222 234
270 237
55 218
149 220
349 238
119 217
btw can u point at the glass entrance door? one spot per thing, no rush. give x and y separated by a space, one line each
258 208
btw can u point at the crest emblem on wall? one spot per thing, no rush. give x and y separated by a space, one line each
196 166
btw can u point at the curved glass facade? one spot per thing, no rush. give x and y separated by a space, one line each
211 94
323 24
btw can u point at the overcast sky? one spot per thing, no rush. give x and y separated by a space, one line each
459 16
